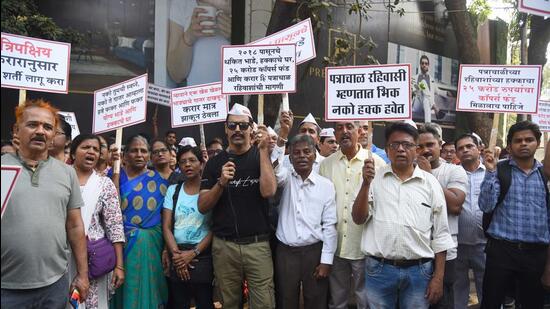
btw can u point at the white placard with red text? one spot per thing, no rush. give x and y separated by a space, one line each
542 118
258 69
300 34
70 117
9 178
35 64
499 88
373 92
198 105
120 105
535 7
158 95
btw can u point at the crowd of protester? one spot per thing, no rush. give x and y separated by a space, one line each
273 220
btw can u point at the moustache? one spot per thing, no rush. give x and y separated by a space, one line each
38 139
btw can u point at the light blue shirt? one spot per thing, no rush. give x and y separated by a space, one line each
470 231
190 225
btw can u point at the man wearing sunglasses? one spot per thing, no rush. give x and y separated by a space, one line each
235 187
405 230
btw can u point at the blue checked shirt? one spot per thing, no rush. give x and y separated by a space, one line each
523 216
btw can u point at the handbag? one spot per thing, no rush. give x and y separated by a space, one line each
101 257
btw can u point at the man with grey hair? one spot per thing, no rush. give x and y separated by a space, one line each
306 230
344 169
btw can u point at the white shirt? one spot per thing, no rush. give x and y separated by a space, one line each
307 211
452 176
407 219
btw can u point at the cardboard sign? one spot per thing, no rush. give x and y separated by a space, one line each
542 118
70 117
35 64
536 7
9 178
374 92
300 34
258 69
120 105
198 105
498 88
158 95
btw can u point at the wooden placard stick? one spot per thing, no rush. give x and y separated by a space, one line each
260 109
286 104
22 96
369 139
494 132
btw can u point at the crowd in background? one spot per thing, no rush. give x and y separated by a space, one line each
268 218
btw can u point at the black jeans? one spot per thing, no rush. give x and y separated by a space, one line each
447 301
508 264
181 294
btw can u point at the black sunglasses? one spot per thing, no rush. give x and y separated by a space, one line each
231 125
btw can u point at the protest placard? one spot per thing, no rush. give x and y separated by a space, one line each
498 88
158 95
536 7
70 117
542 118
35 64
9 177
258 69
198 105
120 105
300 34
373 92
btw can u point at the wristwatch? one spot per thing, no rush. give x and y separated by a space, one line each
197 251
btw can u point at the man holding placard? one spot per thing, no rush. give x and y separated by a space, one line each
45 207
235 187
343 168
402 211
514 199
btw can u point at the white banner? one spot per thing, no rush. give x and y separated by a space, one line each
9 177
535 7
374 92
198 105
158 95
300 34
259 69
120 105
542 118
35 64
499 88
70 117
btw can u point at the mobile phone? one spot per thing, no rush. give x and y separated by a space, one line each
74 300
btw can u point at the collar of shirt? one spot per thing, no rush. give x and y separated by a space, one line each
311 178
537 164
362 154
417 173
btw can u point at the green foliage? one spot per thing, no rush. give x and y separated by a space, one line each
479 11
347 45
22 17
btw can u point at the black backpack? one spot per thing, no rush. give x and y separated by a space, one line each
504 175
175 202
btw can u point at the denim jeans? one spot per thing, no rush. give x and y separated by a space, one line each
387 284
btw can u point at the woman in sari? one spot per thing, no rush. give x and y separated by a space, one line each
142 194
101 216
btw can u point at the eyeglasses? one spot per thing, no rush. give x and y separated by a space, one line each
406 145
159 151
424 63
104 146
59 133
213 152
231 125
190 160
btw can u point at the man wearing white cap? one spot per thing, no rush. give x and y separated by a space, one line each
310 127
327 143
235 186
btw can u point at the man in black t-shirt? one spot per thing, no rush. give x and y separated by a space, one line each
235 186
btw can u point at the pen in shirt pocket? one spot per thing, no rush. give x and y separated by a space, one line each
424 204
